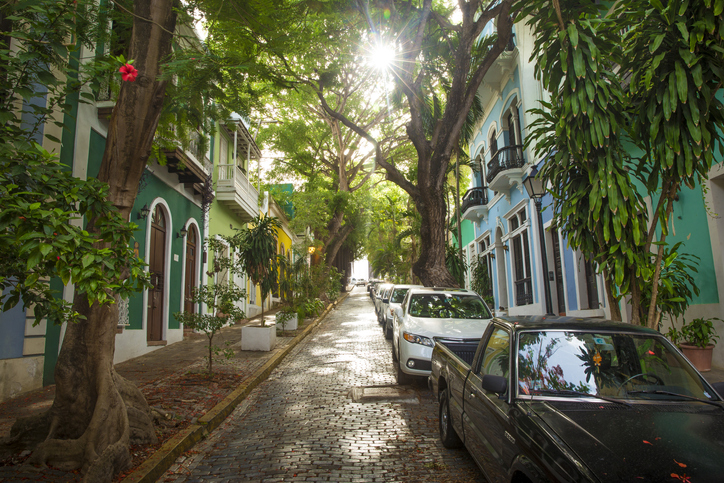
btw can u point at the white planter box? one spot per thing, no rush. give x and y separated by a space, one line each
255 338
290 324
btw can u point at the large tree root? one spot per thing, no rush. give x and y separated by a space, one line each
96 413
110 431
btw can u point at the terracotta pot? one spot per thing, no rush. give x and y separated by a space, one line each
700 358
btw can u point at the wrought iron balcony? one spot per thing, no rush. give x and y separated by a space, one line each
505 168
475 204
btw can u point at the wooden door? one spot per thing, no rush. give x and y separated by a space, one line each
190 272
157 269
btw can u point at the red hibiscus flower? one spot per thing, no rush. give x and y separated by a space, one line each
128 73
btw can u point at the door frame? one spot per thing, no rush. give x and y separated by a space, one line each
166 266
199 250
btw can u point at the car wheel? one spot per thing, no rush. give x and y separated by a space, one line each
403 379
395 355
448 436
388 332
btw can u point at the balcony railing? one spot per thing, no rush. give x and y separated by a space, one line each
508 157
474 197
235 188
523 292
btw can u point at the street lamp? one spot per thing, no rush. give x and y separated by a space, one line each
536 189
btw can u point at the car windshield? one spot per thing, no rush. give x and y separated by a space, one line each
398 295
630 366
442 306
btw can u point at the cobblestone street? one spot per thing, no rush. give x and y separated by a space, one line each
302 424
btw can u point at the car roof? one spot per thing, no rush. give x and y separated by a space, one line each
402 285
543 322
440 290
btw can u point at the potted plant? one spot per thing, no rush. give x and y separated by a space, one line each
696 341
287 319
257 257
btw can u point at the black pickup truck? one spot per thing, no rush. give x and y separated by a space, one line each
564 399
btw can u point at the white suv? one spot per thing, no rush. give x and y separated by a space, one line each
450 313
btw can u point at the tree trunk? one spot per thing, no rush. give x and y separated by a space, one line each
430 267
335 244
96 413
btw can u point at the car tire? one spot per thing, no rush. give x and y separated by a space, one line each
395 355
448 436
388 332
403 379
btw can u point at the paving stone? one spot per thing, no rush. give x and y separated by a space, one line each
301 424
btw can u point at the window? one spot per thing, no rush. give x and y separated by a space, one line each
521 258
448 306
224 151
496 356
482 273
220 267
398 295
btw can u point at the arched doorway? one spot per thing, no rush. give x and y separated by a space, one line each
190 270
157 270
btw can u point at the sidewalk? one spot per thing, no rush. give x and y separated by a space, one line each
186 404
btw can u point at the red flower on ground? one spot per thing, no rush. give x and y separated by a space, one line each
128 73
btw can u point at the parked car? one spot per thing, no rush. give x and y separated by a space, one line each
426 313
372 287
379 296
391 303
361 281
563 399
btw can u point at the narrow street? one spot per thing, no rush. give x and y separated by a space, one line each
303 423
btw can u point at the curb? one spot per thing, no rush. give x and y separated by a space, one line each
157 464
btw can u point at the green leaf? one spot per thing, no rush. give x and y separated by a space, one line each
579 68
45 248
573 34
681 82
657 41
87 259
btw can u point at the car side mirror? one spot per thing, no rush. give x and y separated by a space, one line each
495 384
385 301
398 312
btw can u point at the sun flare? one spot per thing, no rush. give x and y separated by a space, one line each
382 56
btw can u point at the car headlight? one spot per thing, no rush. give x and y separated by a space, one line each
418 339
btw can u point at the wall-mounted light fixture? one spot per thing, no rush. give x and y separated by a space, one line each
182 233
505 247
143 214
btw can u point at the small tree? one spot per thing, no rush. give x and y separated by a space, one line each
220 299
480 281
258 253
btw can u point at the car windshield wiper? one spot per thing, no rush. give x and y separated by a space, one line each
685 396
568 392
